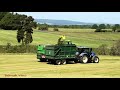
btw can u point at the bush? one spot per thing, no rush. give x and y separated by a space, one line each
98 30
115 49
43 28
103 30
103 50
55 29
109 30
18 49
118 30
95 50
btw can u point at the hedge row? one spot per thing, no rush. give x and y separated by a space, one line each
18 49
101 50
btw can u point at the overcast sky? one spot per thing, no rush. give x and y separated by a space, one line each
93 17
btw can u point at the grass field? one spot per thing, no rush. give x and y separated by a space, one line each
81 37
27 66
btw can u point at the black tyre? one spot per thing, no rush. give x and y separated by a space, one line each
84 59
95 59
63 62
58 62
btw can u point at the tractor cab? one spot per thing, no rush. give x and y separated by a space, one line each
87 50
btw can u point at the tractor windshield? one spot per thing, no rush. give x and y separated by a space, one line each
84 50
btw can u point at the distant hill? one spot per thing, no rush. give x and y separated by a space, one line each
61 22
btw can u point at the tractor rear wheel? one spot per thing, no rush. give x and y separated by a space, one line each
84 59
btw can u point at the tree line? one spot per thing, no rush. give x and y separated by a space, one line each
98 27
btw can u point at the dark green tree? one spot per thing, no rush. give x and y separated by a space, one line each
2 14
102 26
94 26
108 26
20 35
113 28
117 26
25 31
12 21
6 21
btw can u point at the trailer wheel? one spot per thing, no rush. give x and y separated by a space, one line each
84 59
58 62
95 59
63 62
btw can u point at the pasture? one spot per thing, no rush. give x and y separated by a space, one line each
27 66
81 37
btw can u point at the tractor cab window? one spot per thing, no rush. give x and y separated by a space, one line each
85 50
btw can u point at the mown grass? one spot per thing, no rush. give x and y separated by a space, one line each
81 37
27 66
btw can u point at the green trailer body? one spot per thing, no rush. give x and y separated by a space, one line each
64 51
40 51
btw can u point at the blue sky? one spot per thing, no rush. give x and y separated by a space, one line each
93 17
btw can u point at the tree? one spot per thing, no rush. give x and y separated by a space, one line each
117 26
2 14
113 28
12 21
20 35
94 26
102 26
6 21
108 26
25 31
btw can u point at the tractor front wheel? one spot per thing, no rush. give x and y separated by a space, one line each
95 59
